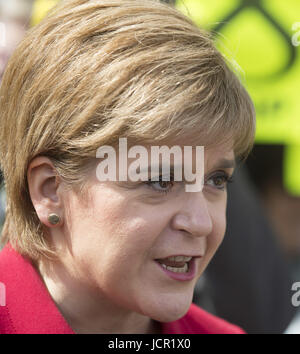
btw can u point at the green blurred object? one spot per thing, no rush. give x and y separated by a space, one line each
40 10
263 37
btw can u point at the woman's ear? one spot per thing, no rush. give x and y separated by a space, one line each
43 184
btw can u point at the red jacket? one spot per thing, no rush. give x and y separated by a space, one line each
26 306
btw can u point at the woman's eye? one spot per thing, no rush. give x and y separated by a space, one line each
161 186
219 180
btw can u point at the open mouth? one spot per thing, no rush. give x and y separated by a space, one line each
176 264
180 268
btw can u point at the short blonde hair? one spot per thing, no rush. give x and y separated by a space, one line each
97 70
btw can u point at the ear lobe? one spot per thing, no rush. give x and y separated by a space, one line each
43 185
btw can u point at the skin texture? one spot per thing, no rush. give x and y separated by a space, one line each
106 279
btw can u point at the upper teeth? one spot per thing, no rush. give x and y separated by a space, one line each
180 258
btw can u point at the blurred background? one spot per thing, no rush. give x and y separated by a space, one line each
249 282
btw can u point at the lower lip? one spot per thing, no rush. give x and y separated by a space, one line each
181 276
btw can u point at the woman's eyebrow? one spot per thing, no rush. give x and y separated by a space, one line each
225 163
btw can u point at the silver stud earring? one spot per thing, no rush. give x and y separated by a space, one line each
53 218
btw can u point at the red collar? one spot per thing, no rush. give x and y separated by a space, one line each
29 306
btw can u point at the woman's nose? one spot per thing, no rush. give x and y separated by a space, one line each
194 216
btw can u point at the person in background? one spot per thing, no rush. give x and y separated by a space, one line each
266 169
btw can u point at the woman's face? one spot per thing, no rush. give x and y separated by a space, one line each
120 233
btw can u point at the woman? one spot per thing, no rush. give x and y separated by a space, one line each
91 255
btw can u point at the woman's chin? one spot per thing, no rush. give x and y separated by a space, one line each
168 309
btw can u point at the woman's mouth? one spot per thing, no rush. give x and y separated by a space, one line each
177 264
178 267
